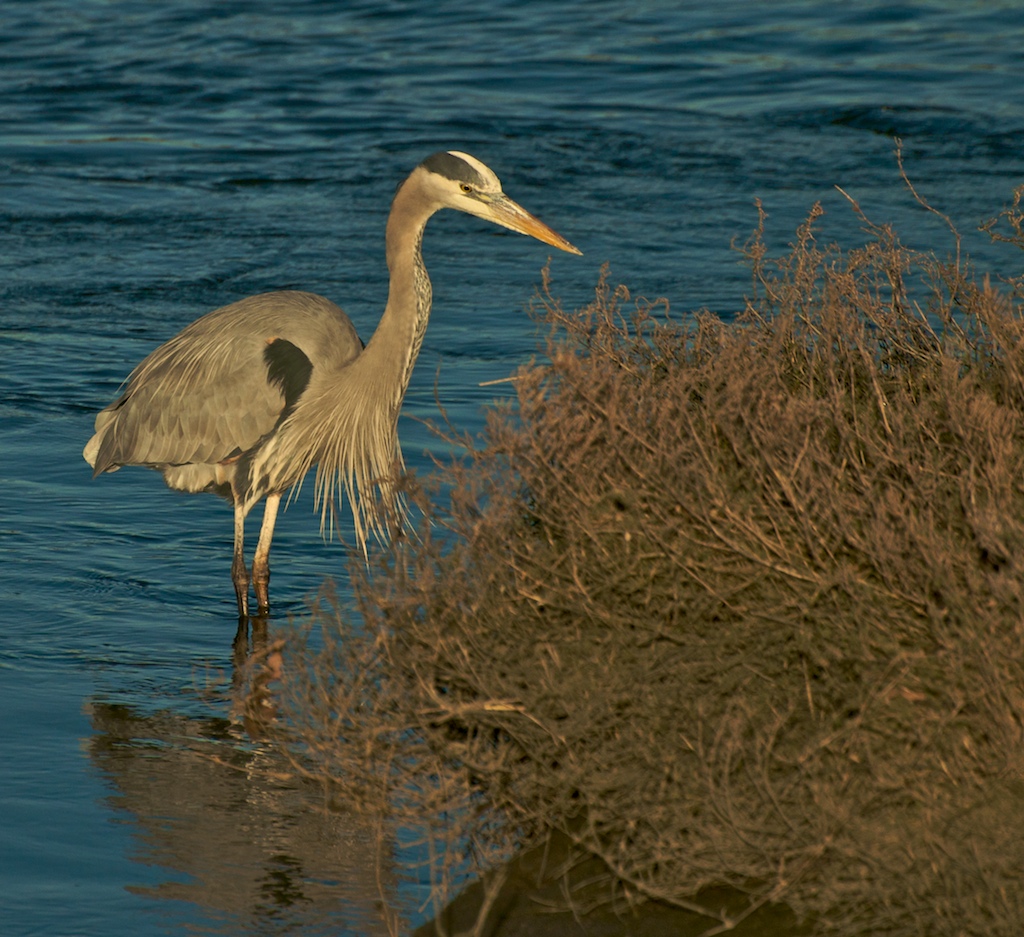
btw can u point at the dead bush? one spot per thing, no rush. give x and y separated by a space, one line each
729 603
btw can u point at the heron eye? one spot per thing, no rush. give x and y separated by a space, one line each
466 187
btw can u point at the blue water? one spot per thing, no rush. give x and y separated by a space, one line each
159 160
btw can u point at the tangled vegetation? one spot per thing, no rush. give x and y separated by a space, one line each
726 603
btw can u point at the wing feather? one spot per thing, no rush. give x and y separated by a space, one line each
213 391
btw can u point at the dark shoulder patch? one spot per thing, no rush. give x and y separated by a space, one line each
451 167
288 368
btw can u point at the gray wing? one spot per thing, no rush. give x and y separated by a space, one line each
220 385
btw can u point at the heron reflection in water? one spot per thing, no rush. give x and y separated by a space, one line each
248 398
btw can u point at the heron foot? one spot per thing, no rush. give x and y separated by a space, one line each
261 583
240 577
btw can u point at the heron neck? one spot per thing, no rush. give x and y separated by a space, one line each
393 348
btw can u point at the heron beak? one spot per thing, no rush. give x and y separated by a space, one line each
502 210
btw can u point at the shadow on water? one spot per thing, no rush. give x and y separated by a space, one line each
554 890
240 835
256 848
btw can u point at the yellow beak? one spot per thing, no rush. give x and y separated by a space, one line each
502 210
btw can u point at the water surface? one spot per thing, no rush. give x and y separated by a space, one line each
159 160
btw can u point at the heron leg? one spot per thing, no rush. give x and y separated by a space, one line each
239 572
261 559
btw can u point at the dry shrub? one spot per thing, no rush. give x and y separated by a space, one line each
726 602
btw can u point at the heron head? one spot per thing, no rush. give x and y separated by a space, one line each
462 182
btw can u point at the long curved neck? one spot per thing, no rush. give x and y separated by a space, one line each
393 348
349 423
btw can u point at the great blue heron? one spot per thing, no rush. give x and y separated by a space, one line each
245 400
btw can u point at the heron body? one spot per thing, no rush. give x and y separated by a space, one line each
248 398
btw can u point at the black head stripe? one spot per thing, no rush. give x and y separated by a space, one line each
451 167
